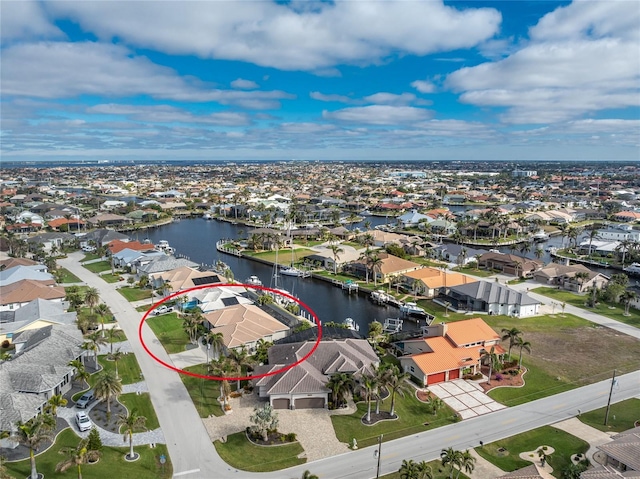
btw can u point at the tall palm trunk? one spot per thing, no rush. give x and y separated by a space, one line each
131 456
34 472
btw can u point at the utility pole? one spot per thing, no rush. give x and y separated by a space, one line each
613 381
379 455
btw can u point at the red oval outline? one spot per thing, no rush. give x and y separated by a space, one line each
219 378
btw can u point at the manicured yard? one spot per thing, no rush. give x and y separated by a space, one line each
111 464
98 267
111 278
141 402
203 392
128 368
412 417
238 452
135 294
564 444
284 255
610 310
89 257
438 471
118 337
67 276
168 329
481 273
622 416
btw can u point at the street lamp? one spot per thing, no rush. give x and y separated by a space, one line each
378 453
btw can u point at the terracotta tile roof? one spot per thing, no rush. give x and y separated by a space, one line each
470 331
445 356
29 289
437 278
116 246
242 324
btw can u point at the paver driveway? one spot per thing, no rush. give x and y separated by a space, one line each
465 397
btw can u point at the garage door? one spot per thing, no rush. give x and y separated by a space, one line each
454 374
435 378
281 403
309 403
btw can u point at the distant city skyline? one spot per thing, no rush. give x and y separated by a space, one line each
344 80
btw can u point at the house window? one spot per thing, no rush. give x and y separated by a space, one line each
412 369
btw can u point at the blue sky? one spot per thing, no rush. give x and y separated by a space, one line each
357 79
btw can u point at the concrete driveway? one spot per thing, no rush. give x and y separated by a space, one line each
466 398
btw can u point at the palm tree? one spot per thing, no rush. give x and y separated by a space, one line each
340 384
308 475
32 434
107 385
436 405
81 373
102 310
593 234
452 458
216 340
624 246
131 422
408 469
261 356
511 335
240 358
191 324
112 334
115 357
77 456
223 368
424 470
396 385
522 344
56 401
91 298
93 342
467 461
539 253
336 250
368 384
493 360
627 297
376 264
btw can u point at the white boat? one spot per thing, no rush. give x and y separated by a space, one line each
633 268
351 324
412 309
380 296
253 280
207 216
290 271
540 236
163 245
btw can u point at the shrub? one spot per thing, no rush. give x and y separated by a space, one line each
499 377
6 344
291 437
95 443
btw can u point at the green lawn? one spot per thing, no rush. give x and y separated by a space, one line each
111 464
238 452
168 329
145 308
412 416
111 278
90 257
135 294
99 267
118 337
141 402
622 416
68 277
203 392
284 256
481 273
610 310
128 368
564 444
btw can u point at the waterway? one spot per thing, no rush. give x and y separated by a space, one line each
195 238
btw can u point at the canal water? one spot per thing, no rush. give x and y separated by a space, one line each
196 238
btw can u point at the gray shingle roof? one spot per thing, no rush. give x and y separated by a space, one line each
625 448
165 263
494 293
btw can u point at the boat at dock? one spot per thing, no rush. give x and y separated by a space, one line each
351 324
633 268
253 281
380 296
290 271
540 237
412 309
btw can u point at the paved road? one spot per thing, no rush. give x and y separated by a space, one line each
194 456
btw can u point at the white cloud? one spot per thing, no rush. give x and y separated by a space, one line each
316 95
379 114
384 98
170 114
562 74
242 84
65 70
424 86
284 36
25 19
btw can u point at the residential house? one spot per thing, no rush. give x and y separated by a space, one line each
20 293
108 219
13 262
214 299
489 297
565 276
116 246
304 386
184 278
448 351
627 216
36 272
130 258
412 218
243 325
101 237
509 264
326 258
155 264
457 254
390 266
34 315
428 281
49 241
532 471
39 369
622 457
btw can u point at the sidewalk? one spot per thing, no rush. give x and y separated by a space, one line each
587 433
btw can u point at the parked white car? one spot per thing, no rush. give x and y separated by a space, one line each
83 421
163 309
